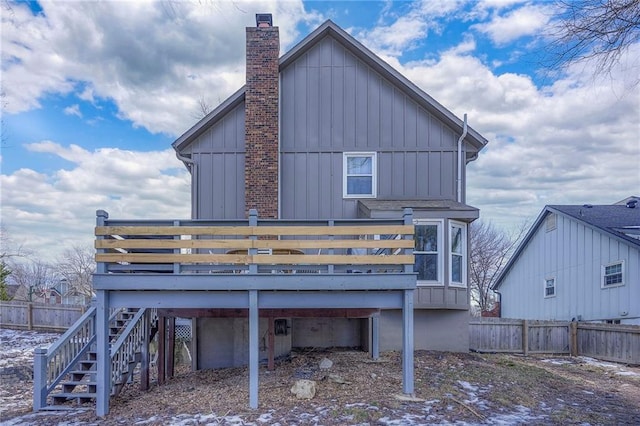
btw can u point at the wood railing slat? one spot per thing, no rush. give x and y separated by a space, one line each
254 230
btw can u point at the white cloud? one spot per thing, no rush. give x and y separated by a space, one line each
523 21
73 110
573 142
405 32
49 212
153 59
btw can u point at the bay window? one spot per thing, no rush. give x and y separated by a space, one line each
458 254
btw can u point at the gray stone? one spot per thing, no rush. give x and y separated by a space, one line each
304 389
326 364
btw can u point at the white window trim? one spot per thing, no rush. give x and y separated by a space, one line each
602 275
465 259
544 287
374 174
441 250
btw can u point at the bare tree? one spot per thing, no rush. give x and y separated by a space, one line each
33 278
600 30
489 253
76 266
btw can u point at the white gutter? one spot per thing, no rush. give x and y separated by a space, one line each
460 162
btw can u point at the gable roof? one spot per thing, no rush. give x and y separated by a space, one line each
329 28
616 221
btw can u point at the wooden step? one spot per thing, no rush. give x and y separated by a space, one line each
79 397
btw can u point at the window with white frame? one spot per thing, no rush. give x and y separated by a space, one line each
549 287
458 254
359 175
613 274
428 251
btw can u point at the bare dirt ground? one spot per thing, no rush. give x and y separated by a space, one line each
450 388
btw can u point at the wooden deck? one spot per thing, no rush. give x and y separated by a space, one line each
254 265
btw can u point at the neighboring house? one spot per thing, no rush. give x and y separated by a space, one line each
578 262
329 130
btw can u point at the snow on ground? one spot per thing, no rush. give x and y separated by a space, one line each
16 351
18 346
617 368
16 365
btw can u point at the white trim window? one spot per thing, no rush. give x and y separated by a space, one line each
428 251
549 287
457 254
359 175
612 274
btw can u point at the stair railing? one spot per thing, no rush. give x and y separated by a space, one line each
126 348
50 365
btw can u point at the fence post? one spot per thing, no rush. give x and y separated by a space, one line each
525 337
39 378
573 338
29 316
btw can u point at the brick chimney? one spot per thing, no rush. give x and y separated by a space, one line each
261 118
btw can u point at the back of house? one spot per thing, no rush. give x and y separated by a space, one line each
330 131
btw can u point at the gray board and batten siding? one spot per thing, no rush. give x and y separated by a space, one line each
331 102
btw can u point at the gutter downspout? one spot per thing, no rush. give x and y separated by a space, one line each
460 162
193 167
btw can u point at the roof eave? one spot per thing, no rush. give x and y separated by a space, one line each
211 118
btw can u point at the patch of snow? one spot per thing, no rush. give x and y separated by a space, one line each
467 386
557 361
627 373
597 363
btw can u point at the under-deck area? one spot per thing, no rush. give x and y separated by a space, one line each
253 268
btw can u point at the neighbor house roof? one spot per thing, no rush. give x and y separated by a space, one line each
362 53
619 221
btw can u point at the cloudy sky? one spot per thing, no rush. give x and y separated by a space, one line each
95 92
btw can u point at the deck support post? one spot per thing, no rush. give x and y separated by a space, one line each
407 342
171 347
272 344
375 335
162 349
253 348
144 353
103 373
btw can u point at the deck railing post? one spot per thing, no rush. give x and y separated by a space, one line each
40 379
408 220
101 218
253 221
176 265
330 268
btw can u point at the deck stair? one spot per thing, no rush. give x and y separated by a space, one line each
71 363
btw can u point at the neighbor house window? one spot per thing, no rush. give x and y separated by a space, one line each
359 180
613 274
550 287
458 254
428 251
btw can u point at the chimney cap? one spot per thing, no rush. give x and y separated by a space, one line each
264 20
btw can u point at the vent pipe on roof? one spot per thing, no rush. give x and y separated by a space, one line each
460 162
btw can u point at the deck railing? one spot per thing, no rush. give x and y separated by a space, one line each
254 246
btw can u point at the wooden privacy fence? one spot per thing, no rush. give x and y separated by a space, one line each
611 342
39 316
